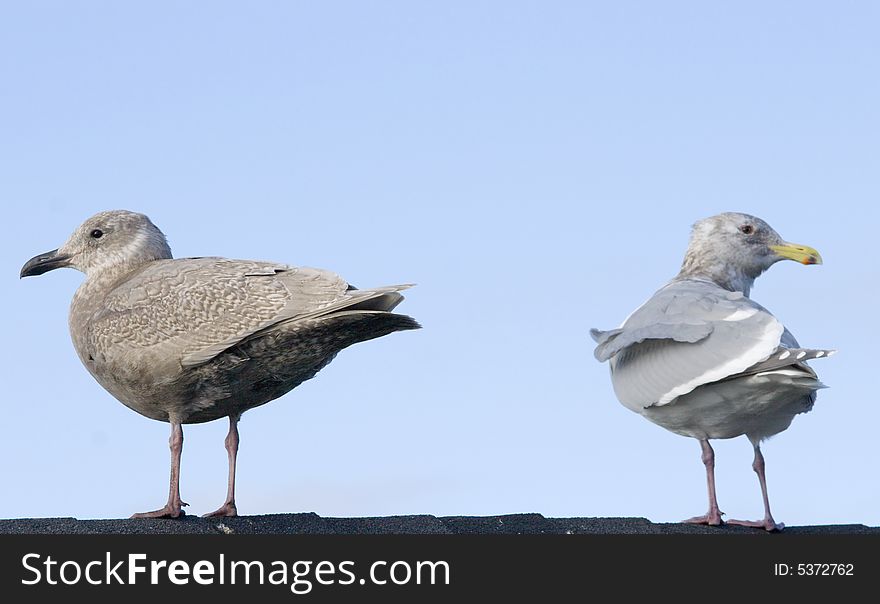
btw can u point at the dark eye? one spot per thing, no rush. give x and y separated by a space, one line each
747 229
97 233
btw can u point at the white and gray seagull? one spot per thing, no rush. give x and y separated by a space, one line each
195 339
702 359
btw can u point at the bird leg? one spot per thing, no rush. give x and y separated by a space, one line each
228 508
767 523
172 509
713 516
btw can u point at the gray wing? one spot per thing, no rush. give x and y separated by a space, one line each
688 334
198 307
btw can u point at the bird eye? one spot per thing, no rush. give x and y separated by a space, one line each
747 229
97 233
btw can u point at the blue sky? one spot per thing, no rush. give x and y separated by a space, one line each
534 166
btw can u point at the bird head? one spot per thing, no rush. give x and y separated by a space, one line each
104 243
733 249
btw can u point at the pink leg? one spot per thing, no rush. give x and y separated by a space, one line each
713 516
172 509
767 523
228 508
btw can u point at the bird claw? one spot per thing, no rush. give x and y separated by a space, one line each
169 511
710 518
768 524
227 510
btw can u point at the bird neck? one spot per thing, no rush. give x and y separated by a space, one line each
722 274
89 298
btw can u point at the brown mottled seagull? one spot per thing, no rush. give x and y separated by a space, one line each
191 340
701 359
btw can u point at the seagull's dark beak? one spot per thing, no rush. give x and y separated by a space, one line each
797 252
44 263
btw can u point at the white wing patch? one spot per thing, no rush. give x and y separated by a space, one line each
741 314
765 345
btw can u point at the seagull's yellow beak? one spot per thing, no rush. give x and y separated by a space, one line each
797 252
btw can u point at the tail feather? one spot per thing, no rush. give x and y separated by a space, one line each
349 327
786 357
390 322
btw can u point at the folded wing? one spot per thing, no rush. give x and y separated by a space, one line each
203 306
690 333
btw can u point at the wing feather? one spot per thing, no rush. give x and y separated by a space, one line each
688 334
198 307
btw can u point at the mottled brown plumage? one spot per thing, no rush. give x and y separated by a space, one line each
196 339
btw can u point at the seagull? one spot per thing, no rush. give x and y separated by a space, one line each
702 359
192 340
